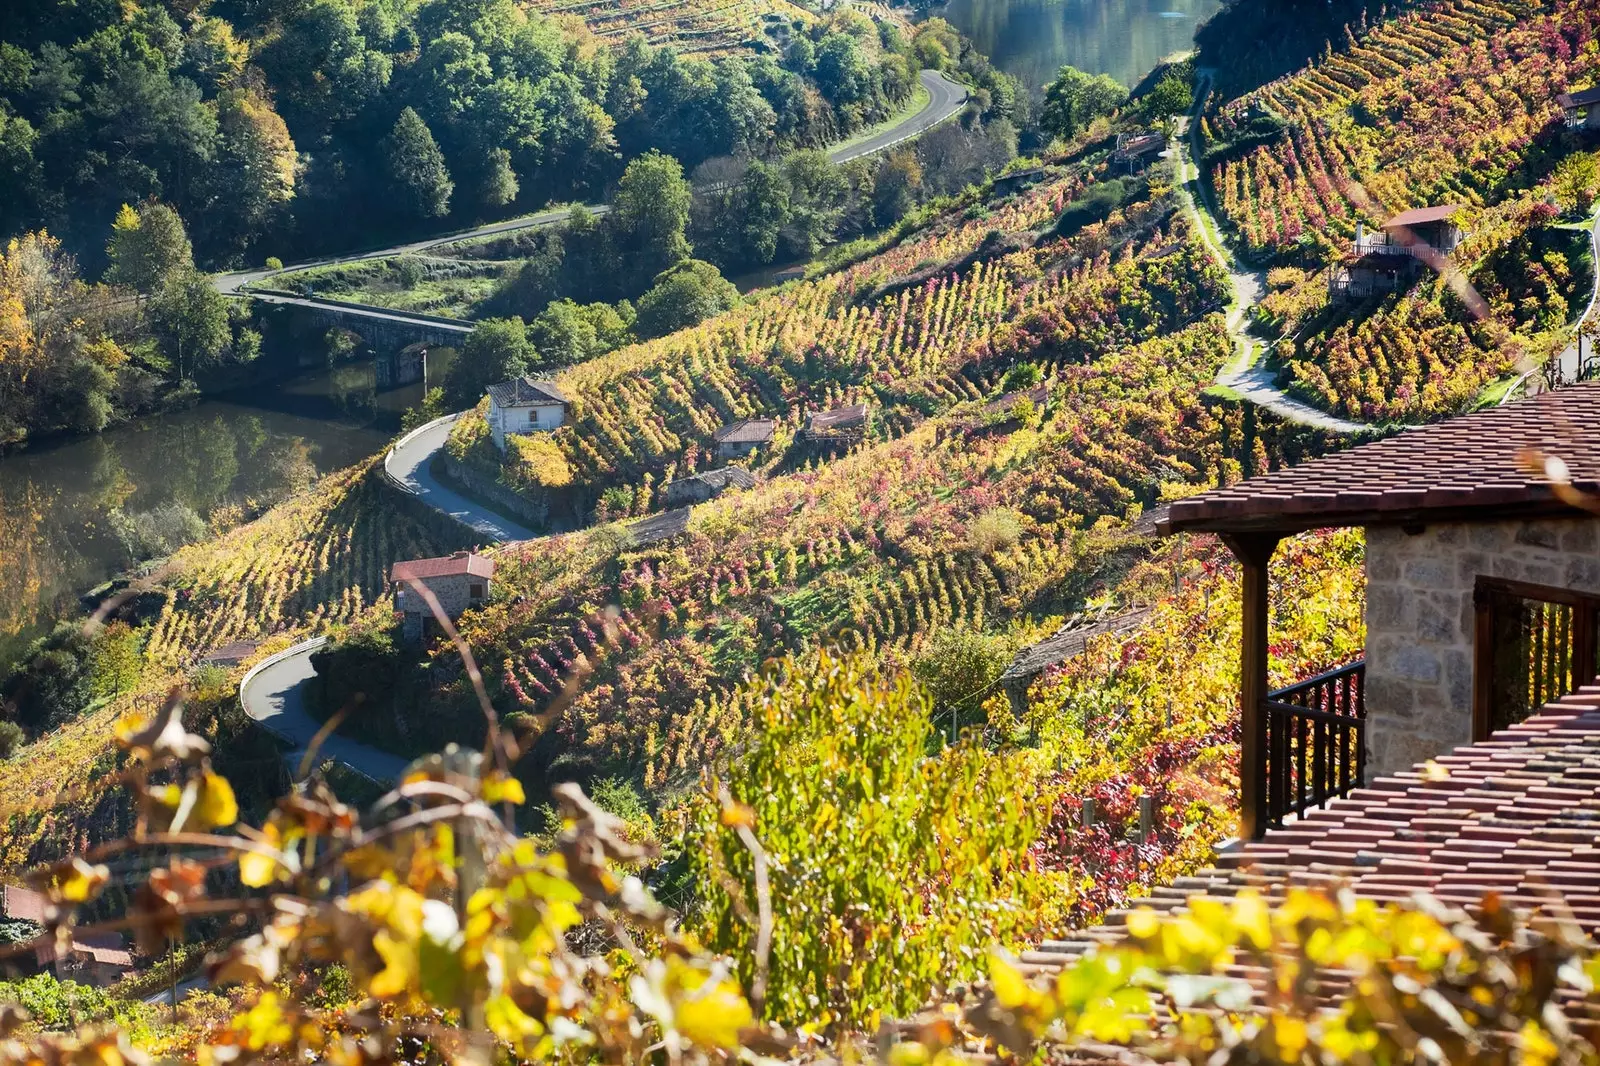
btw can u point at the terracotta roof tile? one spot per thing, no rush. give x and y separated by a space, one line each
1450 469
444 566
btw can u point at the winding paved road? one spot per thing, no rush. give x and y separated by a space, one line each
945 100
407 463
1245 373
274 694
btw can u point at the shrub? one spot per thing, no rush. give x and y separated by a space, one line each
1021 376
533 463
274 263
995 530
11 738
357 671
159 531
959 667
50 686
890 868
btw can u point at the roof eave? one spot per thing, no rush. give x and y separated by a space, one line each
1300 522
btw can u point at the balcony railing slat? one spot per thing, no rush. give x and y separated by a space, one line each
1315 750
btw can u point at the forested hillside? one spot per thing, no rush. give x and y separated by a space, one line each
285 127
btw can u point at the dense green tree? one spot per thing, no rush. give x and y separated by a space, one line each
191 321
148 246
683 296
567 332
1171 96
650 214
496 350
415 166
1076 99
896 187
843 71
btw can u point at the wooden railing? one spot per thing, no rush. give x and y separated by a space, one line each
1315 741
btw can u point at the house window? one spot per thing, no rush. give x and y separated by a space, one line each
475 591
533 416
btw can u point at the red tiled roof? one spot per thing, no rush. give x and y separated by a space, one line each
22 904
1518 813
444 566
108 948
1465 468
748 431
1419 216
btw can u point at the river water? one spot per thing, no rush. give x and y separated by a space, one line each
76 512
1032 39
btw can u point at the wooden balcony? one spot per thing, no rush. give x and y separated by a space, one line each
1314 742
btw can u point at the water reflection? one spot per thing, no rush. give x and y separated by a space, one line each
75 513
1032 39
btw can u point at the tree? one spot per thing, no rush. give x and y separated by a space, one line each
191 320
1171 96
1575 182
147 247
496 350
254 171
843 73
896 187
683 296
416 170
1076 99
567 333
650 213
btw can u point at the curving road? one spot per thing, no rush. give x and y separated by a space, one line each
407 464
945 100
1245 374
274 694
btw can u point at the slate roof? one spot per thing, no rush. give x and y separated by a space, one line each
1419 216
444 566
1072 640
527 392
838 418
1463 469
1582 98
229 654
720 478
1132 147
746 431
1518 813
658 527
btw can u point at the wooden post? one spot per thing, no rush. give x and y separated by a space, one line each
1147 817
1254 551
1088 814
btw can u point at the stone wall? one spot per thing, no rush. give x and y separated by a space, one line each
1421 621
535 514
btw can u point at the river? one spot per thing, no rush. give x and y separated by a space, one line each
1032 39
75 512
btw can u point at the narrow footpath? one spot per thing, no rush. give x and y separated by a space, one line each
1246 374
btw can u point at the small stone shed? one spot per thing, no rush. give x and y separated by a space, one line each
1483 588
457 581
525 405
743 437
705 485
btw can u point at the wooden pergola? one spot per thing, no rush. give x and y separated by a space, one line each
1473 468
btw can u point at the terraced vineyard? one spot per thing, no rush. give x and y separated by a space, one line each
944 526
319 559
911 332
1438 105
710 27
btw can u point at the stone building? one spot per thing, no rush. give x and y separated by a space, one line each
525 405
840 423
743 437
1483 591
707 484
1392 257
457 581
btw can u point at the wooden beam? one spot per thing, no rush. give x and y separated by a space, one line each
1254 552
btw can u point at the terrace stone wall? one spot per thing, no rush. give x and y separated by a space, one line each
1421 621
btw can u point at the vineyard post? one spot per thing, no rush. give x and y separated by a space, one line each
1147 817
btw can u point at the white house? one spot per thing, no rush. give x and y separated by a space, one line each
525 405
